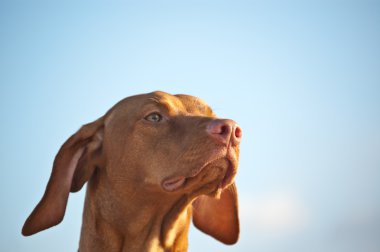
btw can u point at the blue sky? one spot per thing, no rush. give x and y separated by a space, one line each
301 77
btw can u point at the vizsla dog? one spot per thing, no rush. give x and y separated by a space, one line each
152 162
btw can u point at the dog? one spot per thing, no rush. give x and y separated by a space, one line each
153 162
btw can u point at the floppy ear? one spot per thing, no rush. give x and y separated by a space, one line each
218 217
73 166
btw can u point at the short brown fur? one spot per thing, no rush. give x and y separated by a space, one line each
146 179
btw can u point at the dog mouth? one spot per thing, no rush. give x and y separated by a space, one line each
227 165
172 184
228 177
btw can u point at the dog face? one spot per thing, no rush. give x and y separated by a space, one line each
159 145
171 144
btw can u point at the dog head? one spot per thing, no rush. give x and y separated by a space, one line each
164 145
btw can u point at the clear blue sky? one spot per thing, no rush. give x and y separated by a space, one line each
302 78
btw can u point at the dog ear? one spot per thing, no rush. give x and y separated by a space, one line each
218 217
73 166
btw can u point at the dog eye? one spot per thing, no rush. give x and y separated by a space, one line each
153 117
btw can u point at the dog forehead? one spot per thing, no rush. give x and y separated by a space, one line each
195 105
179 104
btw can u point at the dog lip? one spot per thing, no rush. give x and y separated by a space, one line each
173 183
219 153
229 176
231 169
197 171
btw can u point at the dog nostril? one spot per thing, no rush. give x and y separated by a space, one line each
223 130
238 132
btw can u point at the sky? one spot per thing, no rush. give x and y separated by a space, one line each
302 79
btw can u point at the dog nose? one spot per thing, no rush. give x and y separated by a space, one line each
224 131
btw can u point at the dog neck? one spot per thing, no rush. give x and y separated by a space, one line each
110 223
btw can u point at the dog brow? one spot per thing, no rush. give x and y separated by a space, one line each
169 106
155 99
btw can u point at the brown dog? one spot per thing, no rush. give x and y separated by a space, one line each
152 162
